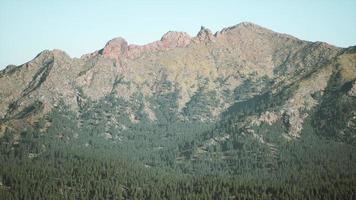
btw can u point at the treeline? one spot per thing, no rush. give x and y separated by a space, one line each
62 174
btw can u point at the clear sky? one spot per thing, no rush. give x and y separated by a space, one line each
81 26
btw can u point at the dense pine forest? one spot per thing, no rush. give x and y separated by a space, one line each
169 160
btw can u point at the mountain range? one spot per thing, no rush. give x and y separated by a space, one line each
205 101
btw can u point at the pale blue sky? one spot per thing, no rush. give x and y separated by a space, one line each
81 26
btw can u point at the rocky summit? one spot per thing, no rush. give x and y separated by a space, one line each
242 98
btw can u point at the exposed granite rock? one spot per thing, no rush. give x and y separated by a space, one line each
352 91
174 39
205 35
115 49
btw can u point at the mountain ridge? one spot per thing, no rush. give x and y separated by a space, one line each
203 28
192 65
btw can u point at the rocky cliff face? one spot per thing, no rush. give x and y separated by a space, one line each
202 78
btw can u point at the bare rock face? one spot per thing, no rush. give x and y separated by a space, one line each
170 40
200 77
115 49
352 91
205 35
119 49
174 39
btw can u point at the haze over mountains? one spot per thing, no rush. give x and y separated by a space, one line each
216 98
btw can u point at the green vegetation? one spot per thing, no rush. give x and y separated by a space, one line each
337 102
101 154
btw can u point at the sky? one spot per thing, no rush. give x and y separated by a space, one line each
28 27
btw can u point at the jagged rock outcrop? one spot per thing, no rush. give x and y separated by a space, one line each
115 49
205 35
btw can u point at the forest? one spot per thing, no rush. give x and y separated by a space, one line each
92 156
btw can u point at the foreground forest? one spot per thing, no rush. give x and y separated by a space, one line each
79 164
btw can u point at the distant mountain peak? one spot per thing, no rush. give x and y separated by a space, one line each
115 48
247 26
175 39
118 47
205 34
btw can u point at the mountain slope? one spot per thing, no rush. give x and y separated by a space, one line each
274 114
216 64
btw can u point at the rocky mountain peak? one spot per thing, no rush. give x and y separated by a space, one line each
175 39
115 48
205 34
245 27
118 48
